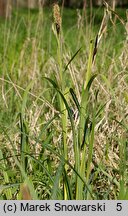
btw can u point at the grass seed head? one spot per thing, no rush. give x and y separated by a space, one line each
57 17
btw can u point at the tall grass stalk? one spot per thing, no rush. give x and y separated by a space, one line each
57 22
83 124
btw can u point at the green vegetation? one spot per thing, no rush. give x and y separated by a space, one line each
64 114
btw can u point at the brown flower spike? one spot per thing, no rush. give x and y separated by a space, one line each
57 17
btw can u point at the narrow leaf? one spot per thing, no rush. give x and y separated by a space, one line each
75 99
66 67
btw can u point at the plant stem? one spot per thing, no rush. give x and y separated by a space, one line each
62 108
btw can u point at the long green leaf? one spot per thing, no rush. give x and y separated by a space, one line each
66 67
75 98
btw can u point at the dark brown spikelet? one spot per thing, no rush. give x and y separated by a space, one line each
57 17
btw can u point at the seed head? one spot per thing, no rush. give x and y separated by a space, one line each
57 17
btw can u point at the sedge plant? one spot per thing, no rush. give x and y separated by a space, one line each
61 84
79 135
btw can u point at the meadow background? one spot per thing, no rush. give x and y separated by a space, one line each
64 118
